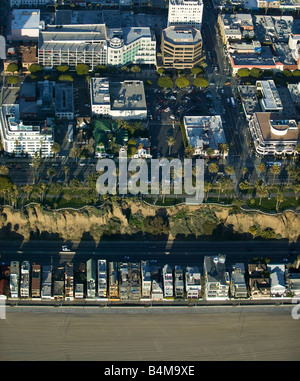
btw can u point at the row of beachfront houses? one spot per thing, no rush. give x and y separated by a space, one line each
125 281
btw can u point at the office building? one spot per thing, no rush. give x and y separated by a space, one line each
185 12
25 25
181 47
268 96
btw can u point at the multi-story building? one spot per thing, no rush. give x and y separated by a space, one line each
157 292
25 25
113 290
274 135
192 282
14 281
205 132
168 281
25 279
178 282
259 281
58 280
238 287
216 277
64 104
277 278
30 3
69 281
269 97
36 281
72 45
135 281
125 281
146 279
181 47
185 12
234 27
46 289
23 136
134 45
91 278
102 278
100 97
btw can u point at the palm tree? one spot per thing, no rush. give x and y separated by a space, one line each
35 164
275 170
171 142
207 187
66 169
213 168
291 170
261 191
223 149
261 168
4 170
244 171
75 152
28 190
229 170
279 200
296 189
189 151
55 149
51 172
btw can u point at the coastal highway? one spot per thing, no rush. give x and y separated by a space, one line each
172 252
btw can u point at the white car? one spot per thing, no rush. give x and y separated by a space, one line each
65 248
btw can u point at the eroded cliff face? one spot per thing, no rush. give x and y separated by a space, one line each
138 220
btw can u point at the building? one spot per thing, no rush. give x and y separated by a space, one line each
185 13
100 97
24 136
131 45
216 278
125 281
113 288
146 279
181 47
46 286
193 282
31 3
135 281
36 281
69 281
259 281
157 292
294 283
25 279
178 282
249 100
58 280
235 27
102 278
14 280
238 286
91 278
277 278
72 45
168 282
64 102
205 132
25 25
268 96
79 291
273 135
128 100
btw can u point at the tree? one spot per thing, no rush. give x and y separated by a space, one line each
65 78
223 147
261 168
4 171
12 67
210 151
55 148
200 82
255 72
165 82
213 168
287 73
229 170
171 142
196 70
75 152
291 170
244 72
224 185
275 170
244 185
244 171
51 172
135 69
189 151
160 71
279 200
207 187
62 68
28 190
296 189
66 170
82 69
35 68
261 191
182 82
13 80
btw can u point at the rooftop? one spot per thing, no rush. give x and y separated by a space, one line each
127 95
182 35
25 19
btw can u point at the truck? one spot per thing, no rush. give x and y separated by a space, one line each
70 133
232 102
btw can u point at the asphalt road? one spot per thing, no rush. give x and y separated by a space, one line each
174 253
150 334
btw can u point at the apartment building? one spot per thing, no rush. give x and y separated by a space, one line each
216 277
102 278
69 281
113 290
25 136
259 281
168 283
46 285
36 281
58 280
178 282
277 278
238 287
185 12
124 281
91 278
274 135
25 279
181 47
72 45
146 279
192 282
14 280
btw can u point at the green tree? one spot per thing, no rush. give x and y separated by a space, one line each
12 67
65 78
62 68
255 72
35 68
196 70
4 171
55 148
223 147
189 151
279 200
200 82
13 80
261 168
82 69
244 72
51 172
182 82
244 171
171 142
275 170
213 168
261 191
244 185
229 170
165 82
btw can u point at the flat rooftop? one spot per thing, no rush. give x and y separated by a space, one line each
100 91
182 35
127 95
25 19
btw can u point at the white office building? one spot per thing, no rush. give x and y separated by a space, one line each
25 25
185 12
24 137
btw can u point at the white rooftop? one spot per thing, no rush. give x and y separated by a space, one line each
25 19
